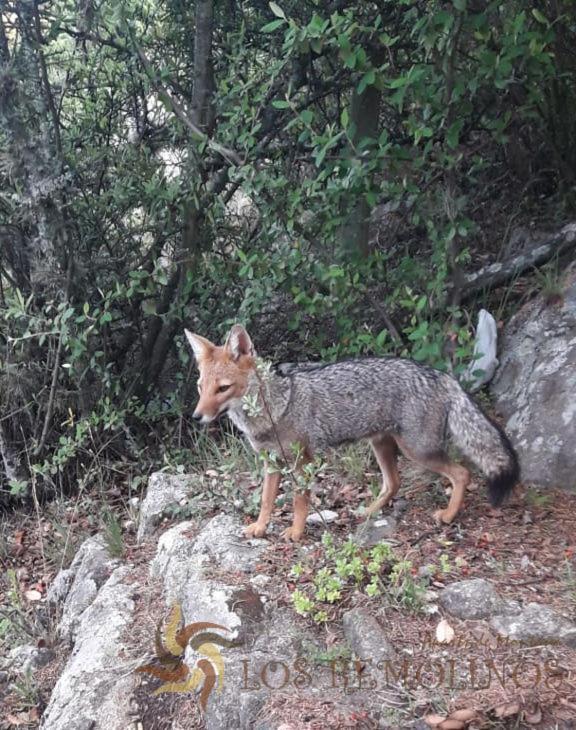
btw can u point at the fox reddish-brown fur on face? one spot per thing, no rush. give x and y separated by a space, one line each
396 403
224 373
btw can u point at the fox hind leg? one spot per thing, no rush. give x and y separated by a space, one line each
386 453
458 475
301 502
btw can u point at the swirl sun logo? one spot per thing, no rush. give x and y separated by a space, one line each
208 669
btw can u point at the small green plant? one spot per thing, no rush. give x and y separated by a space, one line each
445 566
535 498
17 625
321 657
354 461
376 571
293 465
113 536
549 280
27 691
209 453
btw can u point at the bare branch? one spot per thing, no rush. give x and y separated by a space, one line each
499 273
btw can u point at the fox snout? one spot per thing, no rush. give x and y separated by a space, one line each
208 409
204 418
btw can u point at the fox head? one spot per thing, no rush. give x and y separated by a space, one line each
224 371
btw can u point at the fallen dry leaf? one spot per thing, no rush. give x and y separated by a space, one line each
463 715
33 595
444 632
507 709
24 718
450 724
434 720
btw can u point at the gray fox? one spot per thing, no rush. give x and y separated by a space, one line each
395 402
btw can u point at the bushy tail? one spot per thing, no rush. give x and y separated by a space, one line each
485 444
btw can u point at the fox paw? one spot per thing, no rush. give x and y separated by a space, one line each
292 533
256 529
441 517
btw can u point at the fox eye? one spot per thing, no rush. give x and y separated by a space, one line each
223 388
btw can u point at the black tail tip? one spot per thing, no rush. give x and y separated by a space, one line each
500 486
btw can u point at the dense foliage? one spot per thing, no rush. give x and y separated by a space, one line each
323 169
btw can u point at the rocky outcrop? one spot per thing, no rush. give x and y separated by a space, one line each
95 686
535 386
163 491
261 648
228 598
78 586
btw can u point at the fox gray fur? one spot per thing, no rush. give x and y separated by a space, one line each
394 402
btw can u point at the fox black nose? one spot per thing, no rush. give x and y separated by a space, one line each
197 416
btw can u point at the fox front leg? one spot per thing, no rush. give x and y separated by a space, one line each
269 494
301 505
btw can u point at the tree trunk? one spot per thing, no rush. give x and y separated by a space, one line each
26 121
203 89
11 465
178 291
354 235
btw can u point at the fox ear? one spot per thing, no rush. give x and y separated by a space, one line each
200 345
238 342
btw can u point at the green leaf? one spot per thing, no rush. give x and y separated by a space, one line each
453 133
398 82
366 80
277 10
316 45
540 17
269 27
459 5
281 104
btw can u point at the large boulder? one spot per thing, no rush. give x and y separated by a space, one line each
535 386
203 575
164 490
94 688
76 587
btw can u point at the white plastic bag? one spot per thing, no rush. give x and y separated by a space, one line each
485 359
